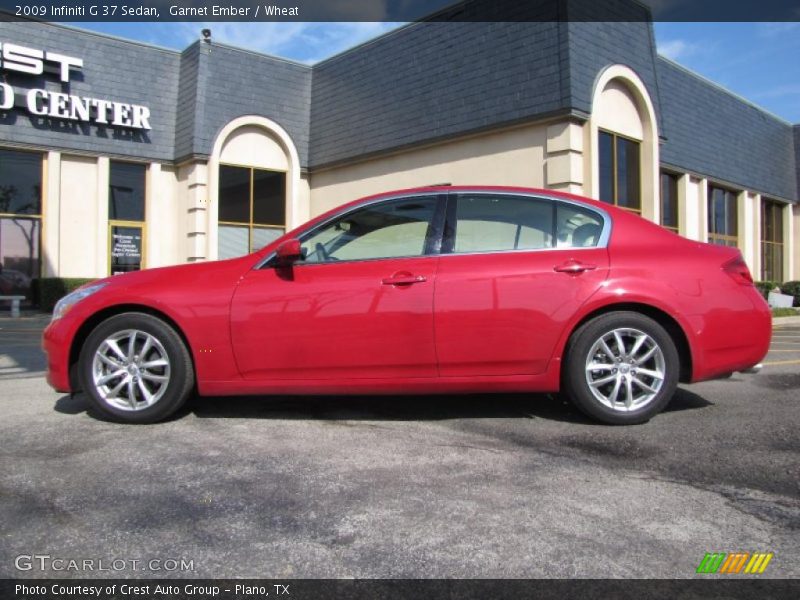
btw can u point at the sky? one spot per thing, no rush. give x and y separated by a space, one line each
758 61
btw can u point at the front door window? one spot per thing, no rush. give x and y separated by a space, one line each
399 228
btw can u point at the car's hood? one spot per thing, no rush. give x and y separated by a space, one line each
184 277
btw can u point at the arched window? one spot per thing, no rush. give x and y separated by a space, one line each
253 187
624 144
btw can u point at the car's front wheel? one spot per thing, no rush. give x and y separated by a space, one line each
135 368
622 368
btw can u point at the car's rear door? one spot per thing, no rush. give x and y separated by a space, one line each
513 271
359 306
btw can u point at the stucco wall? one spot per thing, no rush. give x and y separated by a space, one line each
514 157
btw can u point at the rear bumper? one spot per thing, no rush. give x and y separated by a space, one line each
728 340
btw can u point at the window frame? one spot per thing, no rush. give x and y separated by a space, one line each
42 204
677 178
723 237
431 246
442 229
777 246
250 224
141 225
448 240
615 168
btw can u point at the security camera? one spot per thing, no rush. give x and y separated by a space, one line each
206 35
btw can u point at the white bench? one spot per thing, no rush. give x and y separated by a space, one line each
15 300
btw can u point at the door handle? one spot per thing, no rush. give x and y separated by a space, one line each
574 267
404 279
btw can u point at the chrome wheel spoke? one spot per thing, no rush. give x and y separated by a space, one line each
647 355
148 397
628 393
115 392
644 386
620 343
637 345
649 373
115 348
107 360
154 377
604 380
615 392
621 383
131 345
599 367
160 362
148 343
606 350
111 376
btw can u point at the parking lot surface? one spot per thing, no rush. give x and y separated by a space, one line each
454 486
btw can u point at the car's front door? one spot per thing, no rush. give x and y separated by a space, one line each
359 305
513 271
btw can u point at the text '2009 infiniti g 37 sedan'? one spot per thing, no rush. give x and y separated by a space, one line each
431 290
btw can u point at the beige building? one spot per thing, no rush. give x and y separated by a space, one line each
83 198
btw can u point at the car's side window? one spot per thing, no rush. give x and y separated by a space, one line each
577 227
487 223
391 229
498 222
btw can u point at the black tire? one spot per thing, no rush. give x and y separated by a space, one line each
179 374
574 378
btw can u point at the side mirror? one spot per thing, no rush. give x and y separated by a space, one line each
289 252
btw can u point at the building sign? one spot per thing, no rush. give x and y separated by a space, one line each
126 249
58 105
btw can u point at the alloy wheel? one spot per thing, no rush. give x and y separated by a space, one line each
131 370
625 369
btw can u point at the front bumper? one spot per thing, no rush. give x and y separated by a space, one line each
56 343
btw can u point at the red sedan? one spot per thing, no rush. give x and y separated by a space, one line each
439 289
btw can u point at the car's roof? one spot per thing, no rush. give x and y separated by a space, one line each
443 189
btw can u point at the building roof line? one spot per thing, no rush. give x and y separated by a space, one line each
720 87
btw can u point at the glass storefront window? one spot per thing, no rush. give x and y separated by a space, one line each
252 209
126 216
126 192
20 221
669 201
620 171
771 241
723 226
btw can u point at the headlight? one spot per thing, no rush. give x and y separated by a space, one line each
71 299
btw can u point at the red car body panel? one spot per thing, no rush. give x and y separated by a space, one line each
478 322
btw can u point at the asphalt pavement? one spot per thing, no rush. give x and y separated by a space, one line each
404 487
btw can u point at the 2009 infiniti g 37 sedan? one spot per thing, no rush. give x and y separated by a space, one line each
439 289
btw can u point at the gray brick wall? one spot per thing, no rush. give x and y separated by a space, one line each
233 83
593 46
187 100
424 82
432 80
713 132
113 70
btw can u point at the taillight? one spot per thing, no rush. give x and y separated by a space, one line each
738 271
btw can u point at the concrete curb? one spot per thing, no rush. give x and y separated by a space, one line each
785 321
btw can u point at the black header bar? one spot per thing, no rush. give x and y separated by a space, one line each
401 10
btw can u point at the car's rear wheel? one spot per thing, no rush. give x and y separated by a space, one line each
135 368
622 368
